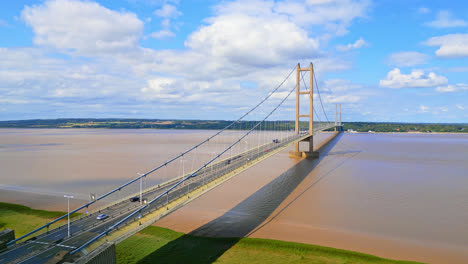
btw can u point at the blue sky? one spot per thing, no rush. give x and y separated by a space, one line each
399 61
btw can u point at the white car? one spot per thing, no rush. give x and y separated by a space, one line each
102 217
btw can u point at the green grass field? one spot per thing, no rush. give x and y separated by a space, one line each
160 245
24 219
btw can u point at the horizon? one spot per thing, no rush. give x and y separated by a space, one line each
219 120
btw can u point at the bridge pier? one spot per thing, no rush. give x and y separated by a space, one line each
311 154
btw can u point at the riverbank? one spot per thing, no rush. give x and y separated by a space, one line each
155 244
67 123
24 219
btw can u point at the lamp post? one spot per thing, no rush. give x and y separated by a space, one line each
68 202
141 192
183 169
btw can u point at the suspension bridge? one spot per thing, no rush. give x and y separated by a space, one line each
264 130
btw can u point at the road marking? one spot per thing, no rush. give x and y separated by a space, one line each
51 244
65 246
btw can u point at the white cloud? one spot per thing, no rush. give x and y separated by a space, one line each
28 75
423 109
82 27
161 88
452 88
446 89
416 79
356 45
332 99
319 2
460 107
245 44
175 89
444 19
407 59
164 33
168 11
334 15
253 40
451 46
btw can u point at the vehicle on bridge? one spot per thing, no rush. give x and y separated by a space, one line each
135 199
102 217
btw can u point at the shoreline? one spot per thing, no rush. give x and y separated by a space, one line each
410 133
208 129
38 201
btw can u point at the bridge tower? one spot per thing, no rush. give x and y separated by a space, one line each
338 117
310 115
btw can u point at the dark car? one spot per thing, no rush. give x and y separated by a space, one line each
275 141
135 199
102 217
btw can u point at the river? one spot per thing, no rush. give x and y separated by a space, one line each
401 196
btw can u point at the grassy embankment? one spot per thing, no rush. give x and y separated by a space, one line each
160 245
24 219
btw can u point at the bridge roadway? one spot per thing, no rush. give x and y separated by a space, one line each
43 247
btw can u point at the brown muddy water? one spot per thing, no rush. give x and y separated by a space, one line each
401 196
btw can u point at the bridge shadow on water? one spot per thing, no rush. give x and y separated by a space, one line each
208 242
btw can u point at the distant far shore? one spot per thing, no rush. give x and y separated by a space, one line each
411 133
358 127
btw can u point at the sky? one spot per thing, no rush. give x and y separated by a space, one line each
384 61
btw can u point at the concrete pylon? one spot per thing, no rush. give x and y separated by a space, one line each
310 138
341 127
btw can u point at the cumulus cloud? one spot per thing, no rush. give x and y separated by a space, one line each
161 88
445 19
174 89
334 15
168 11
451 46
245 46
164 33
407 59
82 27
356 45
416 79
253 40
